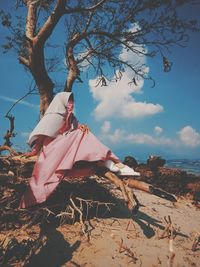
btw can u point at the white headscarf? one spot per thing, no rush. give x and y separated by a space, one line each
53 118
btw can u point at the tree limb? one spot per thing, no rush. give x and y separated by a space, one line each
84 9
24 61
51 22
21 98
9 134
31 18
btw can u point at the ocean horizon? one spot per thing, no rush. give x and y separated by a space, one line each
189 165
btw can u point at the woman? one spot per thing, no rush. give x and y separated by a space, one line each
62 142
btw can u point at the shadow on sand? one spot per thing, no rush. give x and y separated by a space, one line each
56 251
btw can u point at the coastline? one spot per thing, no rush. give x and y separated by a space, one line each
191 166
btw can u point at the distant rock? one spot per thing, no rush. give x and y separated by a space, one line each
154 162
130 161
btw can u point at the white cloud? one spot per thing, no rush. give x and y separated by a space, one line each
21 102
117 136
120 135
141 139
105 128
158 130
114 137
134 109
116 98
189 136
146 139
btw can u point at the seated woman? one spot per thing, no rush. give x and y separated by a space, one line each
62 142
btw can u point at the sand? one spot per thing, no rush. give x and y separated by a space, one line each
116 242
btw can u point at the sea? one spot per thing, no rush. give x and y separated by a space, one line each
188 165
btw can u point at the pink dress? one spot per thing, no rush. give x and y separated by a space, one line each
57 160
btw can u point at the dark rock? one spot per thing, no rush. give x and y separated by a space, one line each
130 161
154 162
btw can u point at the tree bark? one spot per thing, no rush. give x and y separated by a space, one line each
74 72
42 79
34 58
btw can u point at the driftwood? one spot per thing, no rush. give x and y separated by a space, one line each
150 189
9 149
68 209
120 189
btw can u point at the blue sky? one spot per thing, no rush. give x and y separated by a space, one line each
136 121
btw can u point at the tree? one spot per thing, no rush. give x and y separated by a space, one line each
95 31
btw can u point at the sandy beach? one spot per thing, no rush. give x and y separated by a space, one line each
122 241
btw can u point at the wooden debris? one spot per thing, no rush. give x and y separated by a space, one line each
9 149
170 233
22 159
169 230
127 251
118 189
171 250
149 189
196 241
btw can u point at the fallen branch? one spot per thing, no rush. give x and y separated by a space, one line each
128 196
149 189
119 189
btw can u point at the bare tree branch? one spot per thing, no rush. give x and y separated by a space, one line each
31 90
84 9
31 18
51 22
24 61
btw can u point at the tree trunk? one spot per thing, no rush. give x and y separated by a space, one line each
33 57
40 75
74 72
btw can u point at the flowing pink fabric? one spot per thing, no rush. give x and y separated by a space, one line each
59 155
